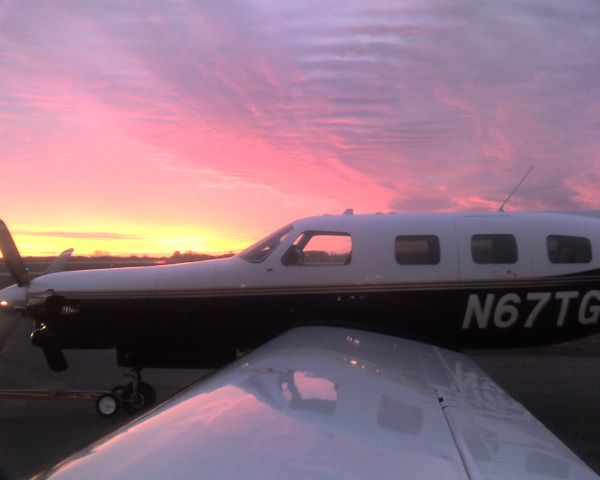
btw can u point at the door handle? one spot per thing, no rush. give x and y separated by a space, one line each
504 273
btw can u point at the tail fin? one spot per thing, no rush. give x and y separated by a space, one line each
58 265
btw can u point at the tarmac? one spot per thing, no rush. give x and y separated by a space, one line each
560 385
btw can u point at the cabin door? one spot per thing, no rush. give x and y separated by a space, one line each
492 247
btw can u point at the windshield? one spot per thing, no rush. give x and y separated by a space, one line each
263 248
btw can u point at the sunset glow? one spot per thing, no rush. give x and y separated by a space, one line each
149 128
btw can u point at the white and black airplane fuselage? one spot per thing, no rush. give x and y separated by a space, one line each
461 280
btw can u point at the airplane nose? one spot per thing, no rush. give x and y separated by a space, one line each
13 299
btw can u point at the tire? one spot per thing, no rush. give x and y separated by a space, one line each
107 405
145 398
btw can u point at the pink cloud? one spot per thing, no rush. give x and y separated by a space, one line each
212 112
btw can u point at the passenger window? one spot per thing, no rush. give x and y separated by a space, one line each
319 248
566 249
494 248
417 250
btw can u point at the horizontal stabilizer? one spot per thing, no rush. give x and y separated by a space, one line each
11 255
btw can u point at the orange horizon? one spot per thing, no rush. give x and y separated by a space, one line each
34 246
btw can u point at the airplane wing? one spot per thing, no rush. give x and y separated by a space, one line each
335 403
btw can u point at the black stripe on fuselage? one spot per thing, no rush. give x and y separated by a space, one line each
533 283
464 314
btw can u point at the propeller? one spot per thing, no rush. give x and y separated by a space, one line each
7 323
13 259
14 298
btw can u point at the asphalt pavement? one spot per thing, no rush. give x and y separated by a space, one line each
37 433
559 385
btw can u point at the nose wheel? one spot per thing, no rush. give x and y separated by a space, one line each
108 405
134 397
137 396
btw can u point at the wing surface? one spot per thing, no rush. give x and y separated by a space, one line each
334 403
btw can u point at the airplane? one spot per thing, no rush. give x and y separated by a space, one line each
455 280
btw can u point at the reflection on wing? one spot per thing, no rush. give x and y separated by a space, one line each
323 402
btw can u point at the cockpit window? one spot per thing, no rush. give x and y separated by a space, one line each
263 248
319 248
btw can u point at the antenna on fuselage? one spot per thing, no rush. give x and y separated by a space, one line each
501 209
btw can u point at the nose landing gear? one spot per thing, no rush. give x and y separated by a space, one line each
134 397
107 405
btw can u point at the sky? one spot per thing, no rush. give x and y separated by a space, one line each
149 127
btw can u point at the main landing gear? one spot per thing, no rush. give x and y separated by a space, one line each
134 397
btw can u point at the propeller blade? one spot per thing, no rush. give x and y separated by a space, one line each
56 359
58 265
7 324
50 343
13 259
